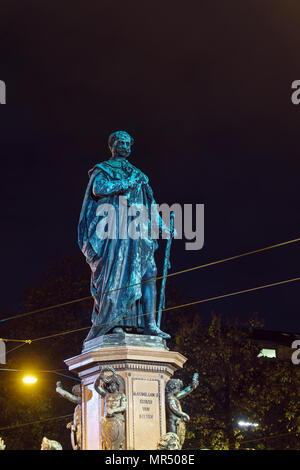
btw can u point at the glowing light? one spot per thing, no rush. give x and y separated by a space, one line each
247 424
29 380
266 352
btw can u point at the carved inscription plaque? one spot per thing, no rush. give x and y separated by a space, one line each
146 402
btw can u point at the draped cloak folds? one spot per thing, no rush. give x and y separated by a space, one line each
116 262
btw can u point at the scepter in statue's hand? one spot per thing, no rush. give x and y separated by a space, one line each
167 266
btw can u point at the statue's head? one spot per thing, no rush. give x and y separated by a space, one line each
48 444
112 384
76 390
120 143
174 386
45 444
169 441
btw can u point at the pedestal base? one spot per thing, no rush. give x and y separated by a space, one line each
145 365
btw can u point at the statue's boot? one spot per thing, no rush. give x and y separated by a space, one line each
152 329
117 329
149 305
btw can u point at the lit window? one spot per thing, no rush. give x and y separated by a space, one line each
267 353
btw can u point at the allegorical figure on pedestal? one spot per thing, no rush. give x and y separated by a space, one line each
115 233
75 425
49 444
176 418
115 402
169 441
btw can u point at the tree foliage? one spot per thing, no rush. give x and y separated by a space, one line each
65 279
236 385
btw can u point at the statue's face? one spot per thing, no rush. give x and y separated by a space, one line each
173 444
76 390
45 444
122 146
175 385
112 387
169 441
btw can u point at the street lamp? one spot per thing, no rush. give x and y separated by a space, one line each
246 424
28 379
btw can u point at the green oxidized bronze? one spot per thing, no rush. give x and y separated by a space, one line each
49 444
115 402
122 267
75 425
176 418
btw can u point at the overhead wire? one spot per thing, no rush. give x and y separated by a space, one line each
252 289
17 347
231 258
270 437
165 309
35 422
41 371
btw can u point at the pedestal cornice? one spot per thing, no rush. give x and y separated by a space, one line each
125 353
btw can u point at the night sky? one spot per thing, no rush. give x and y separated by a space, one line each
204 87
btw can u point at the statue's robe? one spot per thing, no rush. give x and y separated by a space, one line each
115 263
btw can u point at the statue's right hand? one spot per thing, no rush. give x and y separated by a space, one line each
58 384
129 184
186 417
139 178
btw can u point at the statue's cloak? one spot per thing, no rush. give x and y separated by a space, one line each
115 263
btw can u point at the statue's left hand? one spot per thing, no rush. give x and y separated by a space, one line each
186 417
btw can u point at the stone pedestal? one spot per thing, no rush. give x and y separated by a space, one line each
145 365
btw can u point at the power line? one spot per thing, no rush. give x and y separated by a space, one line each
44 309
17 347
218 297
16 340
270 437
264 438
35 422
231 258
42 371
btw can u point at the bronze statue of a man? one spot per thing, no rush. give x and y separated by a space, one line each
122 264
